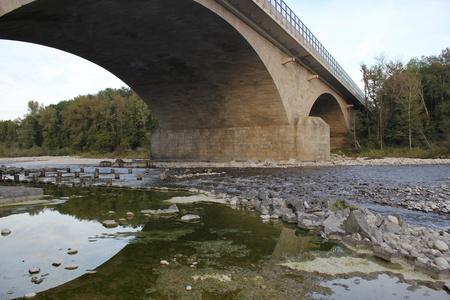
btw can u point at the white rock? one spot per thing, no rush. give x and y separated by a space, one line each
6 231
190 217
188 288
442 262
71 267
34 270
29 295
441 246
393 219
265 217
164 262
130 214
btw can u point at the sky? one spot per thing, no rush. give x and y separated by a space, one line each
353 31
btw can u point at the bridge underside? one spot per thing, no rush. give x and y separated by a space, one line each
209 89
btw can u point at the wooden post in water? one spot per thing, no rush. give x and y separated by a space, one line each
113 171
130 171
96 174
109 181
68 170
81 170
117 175
58 179
16 178
35 178
77 174
139 176
83 181
42 173
27 173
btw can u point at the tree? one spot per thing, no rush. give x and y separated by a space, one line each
134 122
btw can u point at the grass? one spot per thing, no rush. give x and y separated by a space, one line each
441 151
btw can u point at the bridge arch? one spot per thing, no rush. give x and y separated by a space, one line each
223 77
328 108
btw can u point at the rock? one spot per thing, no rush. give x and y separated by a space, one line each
71 267
265 217
263 195
441 246
6 231
356 223
190 217
442 262
72 252
56 264
249 195
34 270
130 214
188 288
234 201
393 219
164 262
110 223
149 212
29 295
122 221
333 224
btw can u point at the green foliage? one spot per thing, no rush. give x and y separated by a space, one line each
406 105
103 123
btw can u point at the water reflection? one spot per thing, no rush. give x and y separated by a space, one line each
227 254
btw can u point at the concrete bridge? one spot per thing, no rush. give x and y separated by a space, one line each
227 79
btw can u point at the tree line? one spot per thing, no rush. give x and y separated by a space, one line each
112 120
406 105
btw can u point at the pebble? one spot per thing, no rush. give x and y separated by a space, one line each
34 270
6 231
188 288
441 246
30 295
72 252
71 267
164 262
442 262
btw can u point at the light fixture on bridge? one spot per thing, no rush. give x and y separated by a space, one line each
311 77
288 60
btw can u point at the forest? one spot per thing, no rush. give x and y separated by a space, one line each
406 107
112 121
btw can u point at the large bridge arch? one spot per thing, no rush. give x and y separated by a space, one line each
220 87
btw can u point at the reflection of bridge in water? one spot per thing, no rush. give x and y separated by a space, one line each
227 79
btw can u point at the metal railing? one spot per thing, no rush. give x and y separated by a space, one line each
285 16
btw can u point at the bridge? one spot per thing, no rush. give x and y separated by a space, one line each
226 79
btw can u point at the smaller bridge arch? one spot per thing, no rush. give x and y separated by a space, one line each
329 109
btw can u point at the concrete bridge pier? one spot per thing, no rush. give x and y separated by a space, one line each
307 140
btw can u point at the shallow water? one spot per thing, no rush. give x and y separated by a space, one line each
229 254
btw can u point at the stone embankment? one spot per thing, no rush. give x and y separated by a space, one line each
390 238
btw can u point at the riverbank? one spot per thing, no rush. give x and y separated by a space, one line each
336 160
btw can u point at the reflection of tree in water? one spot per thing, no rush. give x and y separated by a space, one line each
292 243
97 202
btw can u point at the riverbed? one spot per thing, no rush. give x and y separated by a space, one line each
236 255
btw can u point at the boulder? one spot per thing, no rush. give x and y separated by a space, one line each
356 223
333 224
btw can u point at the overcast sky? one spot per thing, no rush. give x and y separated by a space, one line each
353 31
